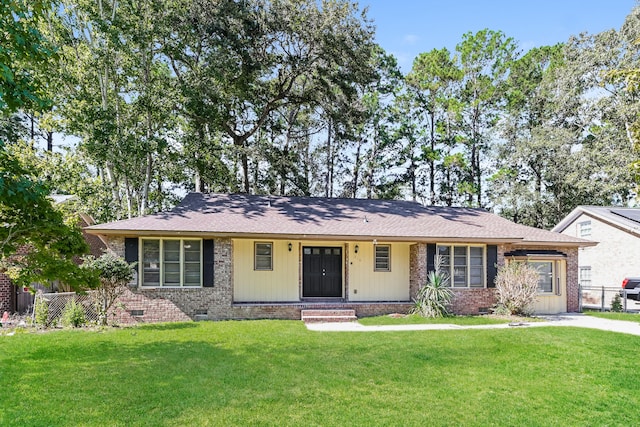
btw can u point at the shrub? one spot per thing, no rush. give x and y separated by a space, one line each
73 315
516 288
434 297
41 311
616 303
114 274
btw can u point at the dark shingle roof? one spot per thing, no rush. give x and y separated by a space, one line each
300 217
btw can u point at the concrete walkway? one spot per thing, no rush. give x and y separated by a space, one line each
569 319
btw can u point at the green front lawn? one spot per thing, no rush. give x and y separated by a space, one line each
632 317
278 373
414 319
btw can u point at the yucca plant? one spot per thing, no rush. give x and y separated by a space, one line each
434 297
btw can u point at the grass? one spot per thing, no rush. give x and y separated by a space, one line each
632 317
414 319
277 373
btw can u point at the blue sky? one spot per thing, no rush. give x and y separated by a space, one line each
406 28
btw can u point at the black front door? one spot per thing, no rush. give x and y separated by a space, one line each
321 272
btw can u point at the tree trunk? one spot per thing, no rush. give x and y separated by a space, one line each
432 163
329 178
356 171
50 142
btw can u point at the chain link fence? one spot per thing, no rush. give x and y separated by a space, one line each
49 308
602 297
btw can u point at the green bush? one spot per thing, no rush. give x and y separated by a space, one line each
73 315
41 312
114 274
616 303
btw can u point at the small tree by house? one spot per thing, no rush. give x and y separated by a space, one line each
435 296
516 288
114 274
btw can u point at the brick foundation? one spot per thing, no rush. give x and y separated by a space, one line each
472 301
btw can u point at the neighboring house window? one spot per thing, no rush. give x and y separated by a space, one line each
464 264
263 256
584 228
382 258
171 262
585 276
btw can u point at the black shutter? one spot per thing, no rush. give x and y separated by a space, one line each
131 249
431 256
492 268
207 267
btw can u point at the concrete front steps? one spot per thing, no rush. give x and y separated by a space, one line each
323 316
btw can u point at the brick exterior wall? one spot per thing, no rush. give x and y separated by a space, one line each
418 268
472 301
7 292
573 289
216 303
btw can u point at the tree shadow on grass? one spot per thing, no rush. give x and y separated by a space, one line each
166 326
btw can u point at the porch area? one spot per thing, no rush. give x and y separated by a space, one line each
293 310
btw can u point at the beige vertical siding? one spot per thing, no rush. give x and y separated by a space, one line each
279 284
365 284
553 303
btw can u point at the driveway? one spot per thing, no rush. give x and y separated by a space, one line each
569 319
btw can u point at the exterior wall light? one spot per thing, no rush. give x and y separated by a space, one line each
356 249
290 246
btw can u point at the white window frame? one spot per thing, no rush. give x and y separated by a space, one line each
468 265
161 242
556 265
554 275
255 256
375 258
582 279
584 228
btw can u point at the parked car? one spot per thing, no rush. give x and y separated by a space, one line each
631 287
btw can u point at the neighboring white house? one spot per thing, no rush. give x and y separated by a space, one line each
617 254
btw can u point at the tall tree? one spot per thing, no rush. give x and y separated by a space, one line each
239 62
484 61
433 77
35 242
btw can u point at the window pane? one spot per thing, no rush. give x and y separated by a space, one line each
191 267
191 250
585 276
545 273
150 262
382 253
476 277
263 256
460 277
460 256
476 256
443 253
171 250
192 274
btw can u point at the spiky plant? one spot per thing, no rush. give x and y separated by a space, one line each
434 297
